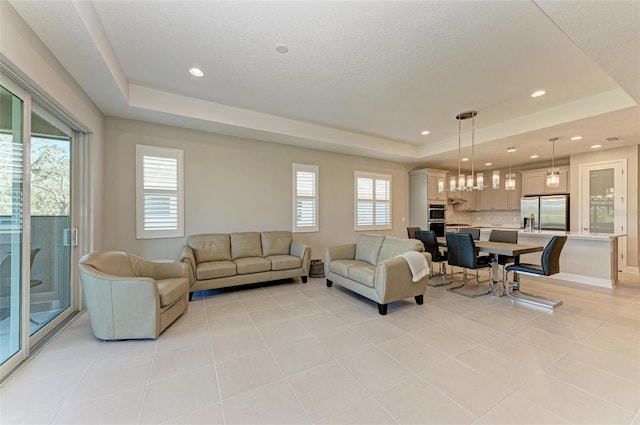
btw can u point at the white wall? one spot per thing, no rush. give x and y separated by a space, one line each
631 154
235 184
26 56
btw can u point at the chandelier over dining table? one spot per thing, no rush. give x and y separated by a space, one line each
473 181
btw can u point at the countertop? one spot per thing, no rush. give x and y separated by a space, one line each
571 235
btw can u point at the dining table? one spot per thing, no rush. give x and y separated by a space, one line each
496 249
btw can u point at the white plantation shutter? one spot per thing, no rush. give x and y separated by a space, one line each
373 201
305 198
159 192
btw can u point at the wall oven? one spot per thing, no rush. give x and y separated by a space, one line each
436 218
436 212
437 228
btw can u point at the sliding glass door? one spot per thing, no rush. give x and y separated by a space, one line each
51 227
37 235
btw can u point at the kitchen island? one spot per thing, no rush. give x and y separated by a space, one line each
587 258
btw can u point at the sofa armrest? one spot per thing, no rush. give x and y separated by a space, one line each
187 257
300 250
340 252
393 276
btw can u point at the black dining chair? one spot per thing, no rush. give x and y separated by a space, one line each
462 252
507 236
549 265
430 242
473 231
411 232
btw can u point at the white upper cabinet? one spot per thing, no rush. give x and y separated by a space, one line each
499 199
534 182
433 182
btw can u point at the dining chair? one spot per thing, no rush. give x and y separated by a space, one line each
549 265
430 242
507 236
462 252
411 232
473 231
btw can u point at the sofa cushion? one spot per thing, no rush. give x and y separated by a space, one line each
210 247
364 274
252 265
284 262
171 290
392 247
246 244
341 267
368 248
215 269
276 243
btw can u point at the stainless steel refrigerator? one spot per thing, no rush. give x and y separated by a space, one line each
551 212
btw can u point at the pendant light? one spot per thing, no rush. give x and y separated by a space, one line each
468 183
510 179
553 174
495 179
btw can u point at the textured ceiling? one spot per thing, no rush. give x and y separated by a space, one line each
361 77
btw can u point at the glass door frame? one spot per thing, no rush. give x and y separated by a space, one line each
79 213
620 201
23 350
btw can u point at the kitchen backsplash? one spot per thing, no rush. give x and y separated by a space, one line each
485 218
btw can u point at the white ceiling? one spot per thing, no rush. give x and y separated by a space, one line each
362 77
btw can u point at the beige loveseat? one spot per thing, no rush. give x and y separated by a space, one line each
222 260
128 297
370 268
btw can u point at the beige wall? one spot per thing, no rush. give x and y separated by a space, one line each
630 153
26 56
234 184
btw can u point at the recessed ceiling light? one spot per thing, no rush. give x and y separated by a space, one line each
281 48
534 156
424 133
488 164
576 138
464 159
196 72
596 146
538 93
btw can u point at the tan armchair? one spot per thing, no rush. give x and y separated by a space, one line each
128 297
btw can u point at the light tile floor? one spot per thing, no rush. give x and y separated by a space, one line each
292 353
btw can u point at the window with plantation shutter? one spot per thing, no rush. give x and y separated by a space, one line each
159 193
305 198
372 201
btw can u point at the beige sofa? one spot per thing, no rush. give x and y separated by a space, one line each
222 260
370 268
128 297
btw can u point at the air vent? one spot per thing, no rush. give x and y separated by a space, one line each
613 139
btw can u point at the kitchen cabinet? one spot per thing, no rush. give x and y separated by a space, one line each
500 199
534 182
423 190
513 197
469 200
432 185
